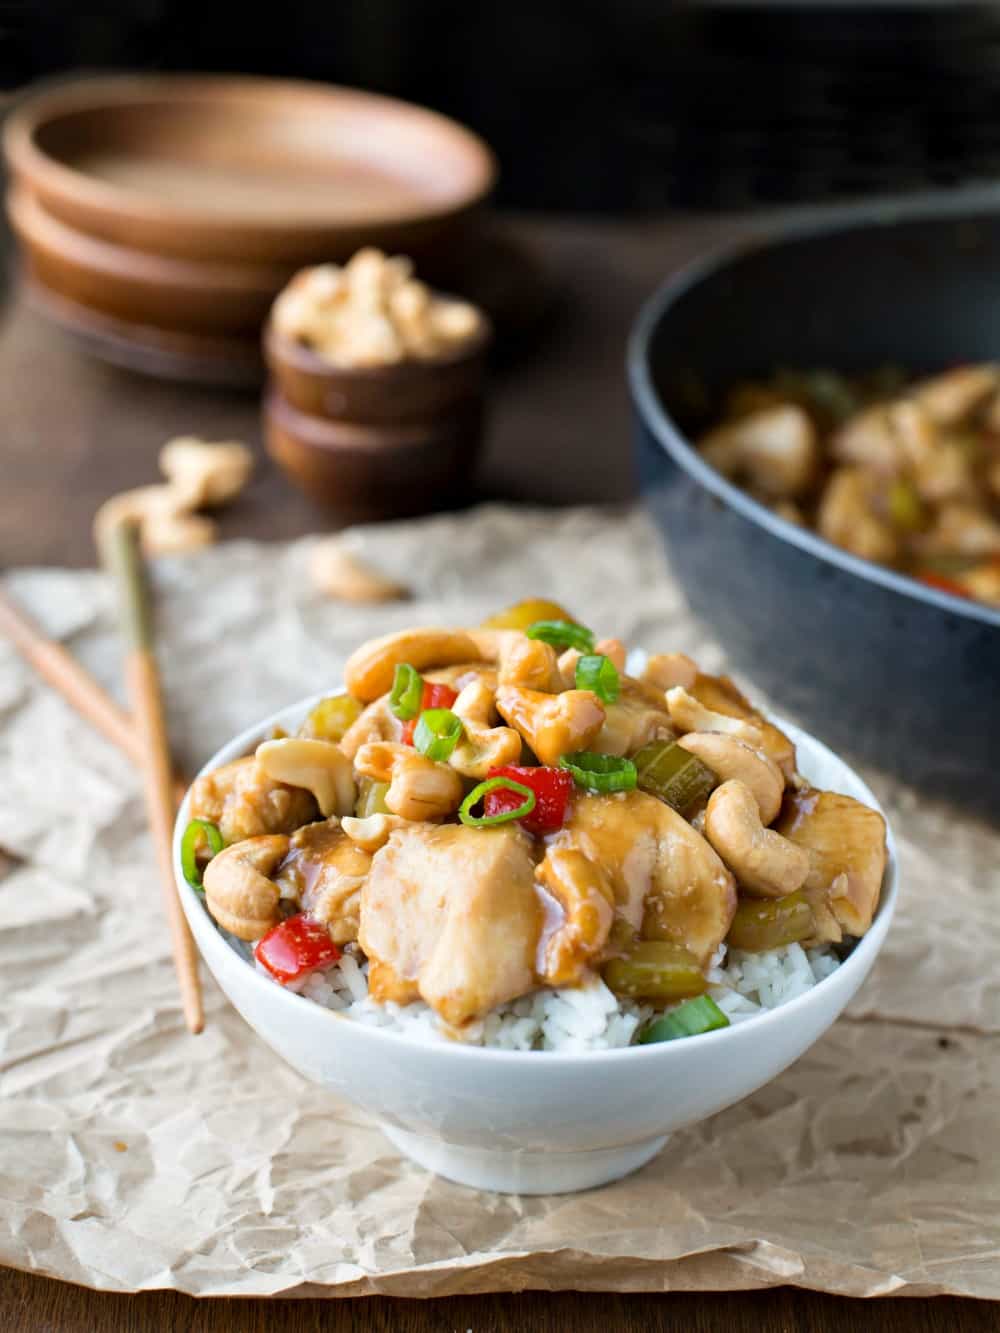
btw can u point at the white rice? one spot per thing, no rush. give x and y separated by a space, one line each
588 1018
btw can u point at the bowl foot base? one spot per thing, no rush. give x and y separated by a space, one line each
523 1172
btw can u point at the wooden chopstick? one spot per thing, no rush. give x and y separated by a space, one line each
77 686
65 674
123 555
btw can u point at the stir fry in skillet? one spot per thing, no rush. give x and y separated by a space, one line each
905 476
487 814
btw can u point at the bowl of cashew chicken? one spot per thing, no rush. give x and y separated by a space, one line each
531 898
818 415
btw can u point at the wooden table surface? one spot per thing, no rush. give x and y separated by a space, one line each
72 432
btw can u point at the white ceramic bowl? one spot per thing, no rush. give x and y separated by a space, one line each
523 1121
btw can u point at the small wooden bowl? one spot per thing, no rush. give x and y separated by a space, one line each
247 169
169 294
375 471
401 394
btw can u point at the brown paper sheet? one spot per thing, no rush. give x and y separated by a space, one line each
133 1156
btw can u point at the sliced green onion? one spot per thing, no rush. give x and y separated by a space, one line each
600 772
689 1019
596 672
674 775
438 732
562 634
505 816
193 835
407 692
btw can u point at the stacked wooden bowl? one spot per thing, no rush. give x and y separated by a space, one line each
159 216
376 441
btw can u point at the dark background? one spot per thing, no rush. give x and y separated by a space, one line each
620 106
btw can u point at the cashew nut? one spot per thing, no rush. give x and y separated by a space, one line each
587 898
689 714
774 450
370 669
337 573
239 890
197 474
176 534
614 650
729 757
203 474
372 832
319 766
528 662
418 787
765 864
167 529
482 746
552 724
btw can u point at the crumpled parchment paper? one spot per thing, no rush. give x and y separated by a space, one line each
134 1156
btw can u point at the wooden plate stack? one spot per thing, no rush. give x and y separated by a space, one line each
159 216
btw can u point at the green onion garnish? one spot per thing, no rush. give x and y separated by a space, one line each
689 1019
505 816
407 692
193 834
596 672
600 772
562 634
437 733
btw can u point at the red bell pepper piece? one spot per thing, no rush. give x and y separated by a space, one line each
552 788
294 948
943 584
434 696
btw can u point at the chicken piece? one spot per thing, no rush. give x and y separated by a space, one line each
451 915
954 395
638 716
668 882
583 903
887 438
245 803
324 872
552 724
529 663
847 850
773 451
719 694
961 530
846 516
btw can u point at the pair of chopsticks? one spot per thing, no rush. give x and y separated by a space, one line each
143 737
